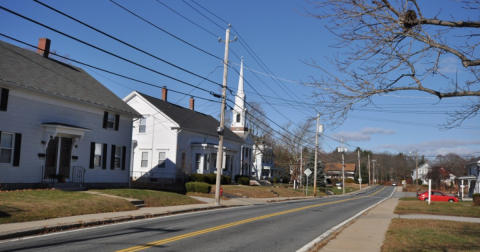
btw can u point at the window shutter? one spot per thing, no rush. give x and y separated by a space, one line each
112 158
16 151
4 99
105 119
124 155
104 157
117 121
92 155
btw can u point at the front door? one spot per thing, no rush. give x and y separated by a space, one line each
58 157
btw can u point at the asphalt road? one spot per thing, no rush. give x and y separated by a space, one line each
284 226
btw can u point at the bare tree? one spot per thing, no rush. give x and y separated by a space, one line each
452 163
390 46
257 122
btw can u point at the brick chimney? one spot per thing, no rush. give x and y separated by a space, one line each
43 47
164 93
192 103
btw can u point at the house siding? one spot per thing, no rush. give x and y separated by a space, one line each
26 112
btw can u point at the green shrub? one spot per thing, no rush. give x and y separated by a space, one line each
285 180
200 187
476 199
242 180
275 180
226 180
211 178
197 178
349 180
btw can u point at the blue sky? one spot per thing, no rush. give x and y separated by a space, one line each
276 32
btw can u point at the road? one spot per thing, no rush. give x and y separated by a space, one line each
284 226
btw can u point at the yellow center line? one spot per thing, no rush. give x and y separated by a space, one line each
208 230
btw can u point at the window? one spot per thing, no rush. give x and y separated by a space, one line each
111 121
118 157
143 125
161 159
184 157
3 99
97 162
98 152
238 117
144 159
206 162
198 158
246 152
6 148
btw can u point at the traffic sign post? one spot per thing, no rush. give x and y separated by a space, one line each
307 172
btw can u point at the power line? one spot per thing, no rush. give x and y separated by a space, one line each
203 15
166 31
187 19
127 44
210 12
105 51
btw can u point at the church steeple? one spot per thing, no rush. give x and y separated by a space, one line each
239 117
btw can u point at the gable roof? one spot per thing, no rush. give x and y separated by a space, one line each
24 68
190 119
338 167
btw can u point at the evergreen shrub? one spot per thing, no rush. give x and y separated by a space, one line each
200 187
476 199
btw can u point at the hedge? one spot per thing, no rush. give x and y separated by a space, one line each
476 199
242 180
209 178
200 187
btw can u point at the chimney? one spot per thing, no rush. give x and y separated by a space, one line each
192 103
164 93
44 47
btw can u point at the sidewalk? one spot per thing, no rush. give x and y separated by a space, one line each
367 233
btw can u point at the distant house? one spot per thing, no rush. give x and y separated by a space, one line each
170 140
473 171
425 168
264 162
334 171
57 123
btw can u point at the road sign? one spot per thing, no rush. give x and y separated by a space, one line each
360 180
307 172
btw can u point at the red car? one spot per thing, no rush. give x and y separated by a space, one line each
437 196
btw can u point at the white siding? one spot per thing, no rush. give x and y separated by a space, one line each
26 112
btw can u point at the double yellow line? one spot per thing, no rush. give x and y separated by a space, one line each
208 230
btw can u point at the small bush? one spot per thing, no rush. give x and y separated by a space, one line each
476 199
200 187
211 178
197 178
226 180
275 180
349 180
242 180
285 180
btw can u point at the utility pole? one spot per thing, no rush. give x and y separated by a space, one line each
359 171
343 150
301 167
416 168
374 181
369 176
222 117
316 153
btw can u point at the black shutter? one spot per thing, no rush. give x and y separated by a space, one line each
117 121
92 155
104 157
124 155
105 119
112 158
16 151
4 99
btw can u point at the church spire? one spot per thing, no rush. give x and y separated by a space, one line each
239 112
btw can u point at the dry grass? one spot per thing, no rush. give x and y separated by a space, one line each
152 198
431 235
259 191
206 195
437 208
22 206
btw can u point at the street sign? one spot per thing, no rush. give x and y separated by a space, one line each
307 172
360 180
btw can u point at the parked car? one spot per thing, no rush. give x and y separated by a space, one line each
394 184
339 184
437 196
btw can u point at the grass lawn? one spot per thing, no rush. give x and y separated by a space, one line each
152 198
23 206
415 206
260 191
431 235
